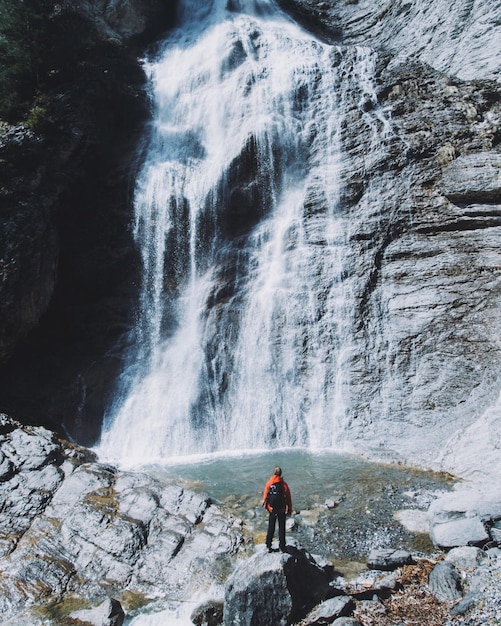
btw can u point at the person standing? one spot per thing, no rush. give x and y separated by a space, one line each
278 502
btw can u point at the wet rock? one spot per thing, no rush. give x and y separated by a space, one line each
108 613
208 614
445 582
465 46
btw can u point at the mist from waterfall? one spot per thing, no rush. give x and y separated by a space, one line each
244 331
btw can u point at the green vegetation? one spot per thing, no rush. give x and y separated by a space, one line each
45 52
25 31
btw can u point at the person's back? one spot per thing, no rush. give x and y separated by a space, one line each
278 502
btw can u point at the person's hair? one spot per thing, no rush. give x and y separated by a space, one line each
277 471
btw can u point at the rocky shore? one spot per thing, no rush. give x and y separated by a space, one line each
75 533
82 542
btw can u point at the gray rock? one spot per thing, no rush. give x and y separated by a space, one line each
92 530
422 260
466 604
208 614
388 559
273 589
460 518
385 583
466 557
346 621
465 45
108 613
330 610
474 178
445 582
5 467
459 532
31 448
257 593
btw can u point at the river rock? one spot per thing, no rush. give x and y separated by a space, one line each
329 611
274 589
388 559
461 517
466 557
108 613
445 582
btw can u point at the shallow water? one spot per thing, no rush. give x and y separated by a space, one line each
364 519
370 494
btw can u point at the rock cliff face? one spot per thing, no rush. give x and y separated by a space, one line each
67 260
426 266
457 37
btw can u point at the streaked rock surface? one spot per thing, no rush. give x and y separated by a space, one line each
72 527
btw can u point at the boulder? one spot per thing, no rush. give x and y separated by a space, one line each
274 589
461 518
388 559
108 613
445 582
459 532
209 613
467 603
329 611
466 557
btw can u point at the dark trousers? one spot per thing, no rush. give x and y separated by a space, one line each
271 529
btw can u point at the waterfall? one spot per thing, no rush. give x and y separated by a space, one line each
244 331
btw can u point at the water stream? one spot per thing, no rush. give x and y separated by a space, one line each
244 331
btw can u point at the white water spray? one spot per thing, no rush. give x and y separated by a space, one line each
244 331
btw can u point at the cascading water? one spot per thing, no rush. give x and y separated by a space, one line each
244 331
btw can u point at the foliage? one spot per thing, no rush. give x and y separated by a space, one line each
42 46
24 38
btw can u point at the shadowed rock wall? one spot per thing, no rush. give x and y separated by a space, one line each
67 260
